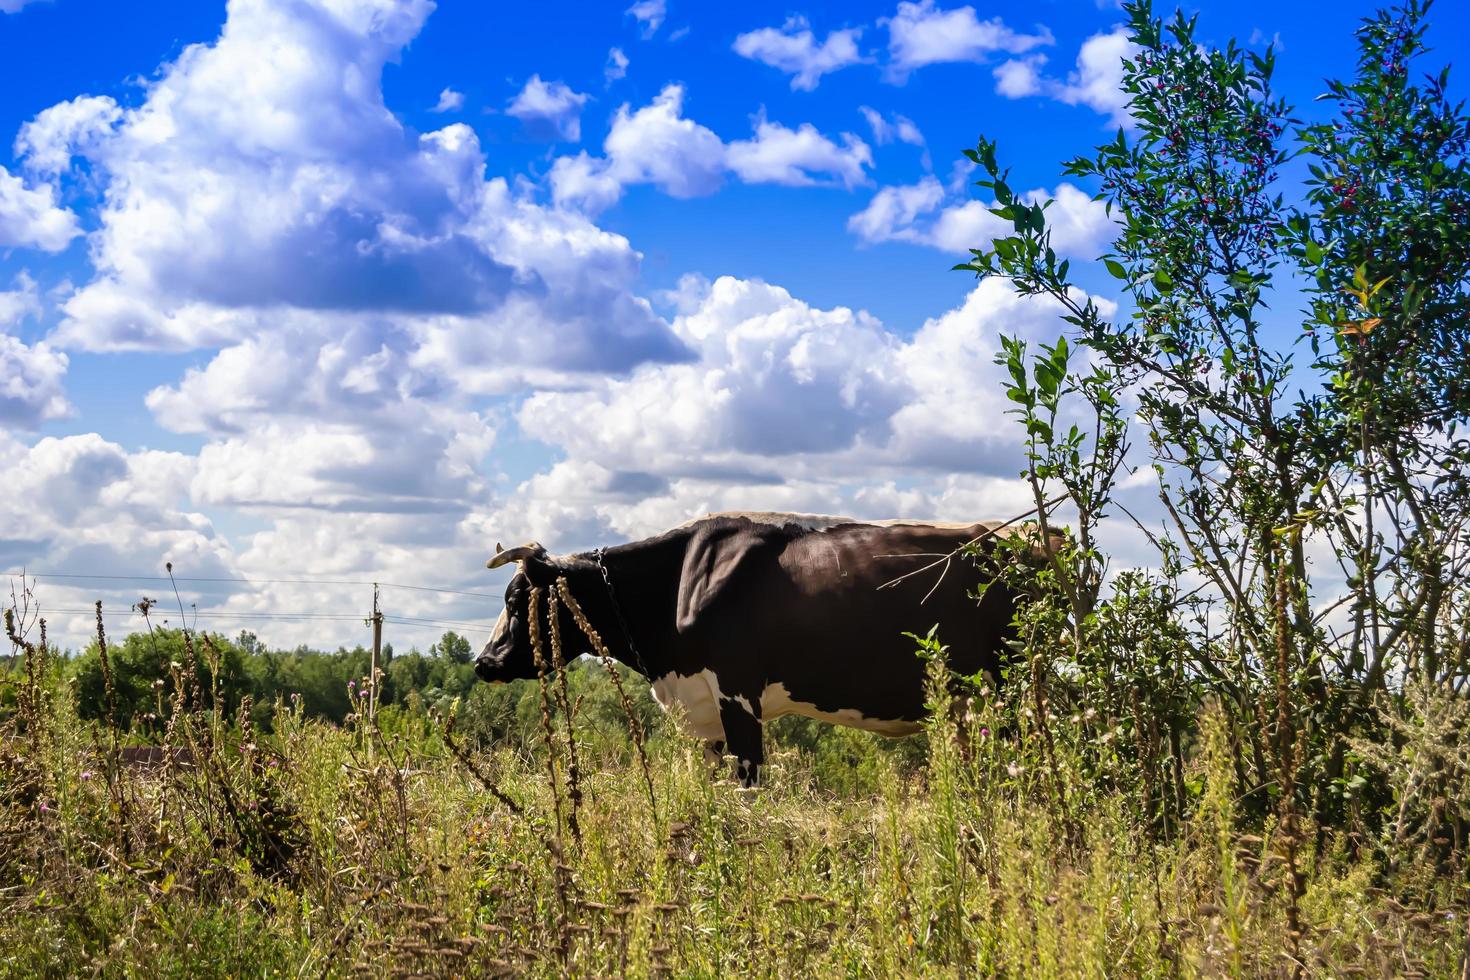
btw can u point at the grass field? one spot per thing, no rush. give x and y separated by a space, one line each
382 848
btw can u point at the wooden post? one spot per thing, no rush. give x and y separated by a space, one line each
377 653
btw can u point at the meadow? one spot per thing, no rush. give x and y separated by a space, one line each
397 843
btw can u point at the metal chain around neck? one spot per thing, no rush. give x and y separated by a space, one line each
612 596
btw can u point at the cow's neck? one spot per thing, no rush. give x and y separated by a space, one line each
644 581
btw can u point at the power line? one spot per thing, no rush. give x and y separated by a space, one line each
248 616
253 581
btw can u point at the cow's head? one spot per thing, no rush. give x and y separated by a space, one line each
507 656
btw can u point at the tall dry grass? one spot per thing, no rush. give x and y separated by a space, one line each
387 847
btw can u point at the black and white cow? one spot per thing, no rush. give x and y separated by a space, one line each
741 618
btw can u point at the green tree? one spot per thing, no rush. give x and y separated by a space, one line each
1343 435
452 647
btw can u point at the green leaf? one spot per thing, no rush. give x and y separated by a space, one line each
1115 269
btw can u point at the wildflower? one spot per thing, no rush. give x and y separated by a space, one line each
984 732
87 775
1014 770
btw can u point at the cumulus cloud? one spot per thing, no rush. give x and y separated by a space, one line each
798 157
1020 77
922 34
793 49
31 218
224 204
650 15
449 101
31 376
549 110
617 65
894 212
85 503
896 128
47 143
774 377
658 145
780 389
1096 81
915 213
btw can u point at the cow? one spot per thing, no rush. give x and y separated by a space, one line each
744 617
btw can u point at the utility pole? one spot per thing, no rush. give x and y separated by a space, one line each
377 653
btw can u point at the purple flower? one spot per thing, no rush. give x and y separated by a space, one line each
87 775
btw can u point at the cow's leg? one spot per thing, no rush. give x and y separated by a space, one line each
741 718
714 751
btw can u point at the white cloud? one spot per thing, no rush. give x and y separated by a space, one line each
774 377
549 110
799 157
263 173
84 503
1020 77
781 390
31 218
31 382
47 143
650 15
793 49
1096 81
449 101
896 127
658 145
1080 226
894 212
900 128
922 34
20 303
617 65
583 182
13 6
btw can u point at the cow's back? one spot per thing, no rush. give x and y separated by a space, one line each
815 622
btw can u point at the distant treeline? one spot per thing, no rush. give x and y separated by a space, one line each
143 671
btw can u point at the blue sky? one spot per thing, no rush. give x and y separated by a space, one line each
351 289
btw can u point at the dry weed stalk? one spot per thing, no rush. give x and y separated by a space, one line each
634 728
465 759
558 663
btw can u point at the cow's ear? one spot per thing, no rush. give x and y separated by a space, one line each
713 559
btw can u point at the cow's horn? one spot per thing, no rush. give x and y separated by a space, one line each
519 553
